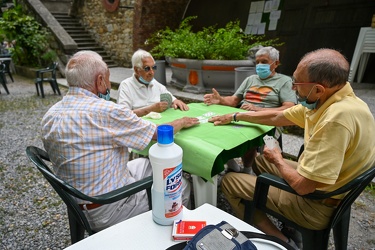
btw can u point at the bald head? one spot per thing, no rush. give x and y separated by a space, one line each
83 68
326 66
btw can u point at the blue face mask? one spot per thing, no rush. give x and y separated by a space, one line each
106 97
303 101
263 70
144 81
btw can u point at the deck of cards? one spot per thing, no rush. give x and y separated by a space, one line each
271 142
184 230
166 97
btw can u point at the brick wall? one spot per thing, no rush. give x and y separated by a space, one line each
151 16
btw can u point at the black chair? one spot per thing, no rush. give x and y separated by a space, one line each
47 75
7 69
77 220
3 78
339 222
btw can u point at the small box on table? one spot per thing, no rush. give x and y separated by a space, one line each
184 230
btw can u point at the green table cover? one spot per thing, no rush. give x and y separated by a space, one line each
206 148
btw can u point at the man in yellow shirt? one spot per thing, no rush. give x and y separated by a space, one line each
338 139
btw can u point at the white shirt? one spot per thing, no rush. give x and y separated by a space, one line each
135 95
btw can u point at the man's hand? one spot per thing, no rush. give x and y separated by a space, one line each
213 98
188 122
180 104
221 119
273 155
159 107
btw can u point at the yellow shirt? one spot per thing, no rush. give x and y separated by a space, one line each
339 139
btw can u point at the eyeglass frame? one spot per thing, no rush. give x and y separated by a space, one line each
148 68
294 83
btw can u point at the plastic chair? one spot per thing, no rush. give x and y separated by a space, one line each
3 79
40 78
7 69
77 220
339 222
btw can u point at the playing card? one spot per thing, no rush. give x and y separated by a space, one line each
271 142
165 97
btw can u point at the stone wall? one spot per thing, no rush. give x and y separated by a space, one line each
113 30
124 30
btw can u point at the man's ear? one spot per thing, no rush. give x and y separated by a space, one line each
319 89
277 63
99 83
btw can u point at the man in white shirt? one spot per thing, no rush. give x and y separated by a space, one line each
141 92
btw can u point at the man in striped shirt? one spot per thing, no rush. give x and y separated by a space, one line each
88 137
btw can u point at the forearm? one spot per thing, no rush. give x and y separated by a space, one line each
281 108
142 111
267 117
231 101
299 183
177 125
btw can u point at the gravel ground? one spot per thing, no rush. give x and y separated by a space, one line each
32 216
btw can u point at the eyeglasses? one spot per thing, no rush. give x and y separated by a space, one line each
148 68
294 83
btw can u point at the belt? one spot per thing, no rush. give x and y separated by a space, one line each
89 206
331 202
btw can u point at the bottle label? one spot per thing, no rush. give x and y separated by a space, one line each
172 191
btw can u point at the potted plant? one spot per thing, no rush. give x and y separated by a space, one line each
206 58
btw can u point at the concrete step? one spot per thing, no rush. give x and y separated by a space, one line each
81 36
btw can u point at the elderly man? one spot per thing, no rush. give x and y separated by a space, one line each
87 138
141 92
337 126
267 90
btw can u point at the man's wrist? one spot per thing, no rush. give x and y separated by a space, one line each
234 117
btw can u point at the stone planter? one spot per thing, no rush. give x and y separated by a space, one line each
160 74
200 76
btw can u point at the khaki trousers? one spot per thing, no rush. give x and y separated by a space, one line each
111 214
311 214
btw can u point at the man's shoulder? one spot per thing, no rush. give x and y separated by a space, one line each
280 76
127 81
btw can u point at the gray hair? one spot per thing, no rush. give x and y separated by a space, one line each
326 66
270 51
138 56
83 68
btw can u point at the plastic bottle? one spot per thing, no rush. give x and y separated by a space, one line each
166 161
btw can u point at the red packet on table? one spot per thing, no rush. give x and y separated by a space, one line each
184 230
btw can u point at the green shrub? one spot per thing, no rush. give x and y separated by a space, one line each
228 43
32 40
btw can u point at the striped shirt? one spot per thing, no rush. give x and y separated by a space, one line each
87 139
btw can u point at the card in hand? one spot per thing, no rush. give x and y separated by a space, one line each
165 97
271 142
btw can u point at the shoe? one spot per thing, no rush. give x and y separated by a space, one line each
293 244
293 234
233 166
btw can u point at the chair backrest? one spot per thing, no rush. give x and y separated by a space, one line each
65 191
3 79
53 66
7 65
